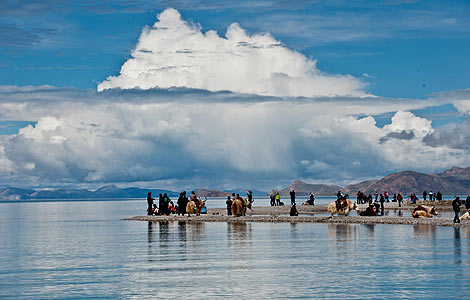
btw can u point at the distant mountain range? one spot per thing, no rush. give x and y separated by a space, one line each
105 192
454 181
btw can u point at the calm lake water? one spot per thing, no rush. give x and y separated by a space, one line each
84 250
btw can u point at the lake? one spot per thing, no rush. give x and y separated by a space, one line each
84 250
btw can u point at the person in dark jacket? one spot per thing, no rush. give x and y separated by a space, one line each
229 206
467 203
182 201
456 206
149 203
292 197
293 211
160 204
311 199
382 200
249 194
166 204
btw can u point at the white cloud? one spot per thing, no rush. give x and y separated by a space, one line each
193 138
175 53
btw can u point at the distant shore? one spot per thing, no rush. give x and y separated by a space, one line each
308 214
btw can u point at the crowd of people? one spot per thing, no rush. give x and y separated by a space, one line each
376 203
166 206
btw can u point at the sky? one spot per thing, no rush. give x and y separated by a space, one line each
223 94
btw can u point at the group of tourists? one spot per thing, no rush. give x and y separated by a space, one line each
275 198
432 196
166 206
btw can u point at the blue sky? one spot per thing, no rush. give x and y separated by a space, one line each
385 68
407 48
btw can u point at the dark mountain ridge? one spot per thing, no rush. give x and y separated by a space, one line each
454 181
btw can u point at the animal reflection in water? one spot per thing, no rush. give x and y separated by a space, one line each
424 230
239 237
239 206
344 210
342 236
422 211
193 208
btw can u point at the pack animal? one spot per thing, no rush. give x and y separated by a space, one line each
422 211
342 211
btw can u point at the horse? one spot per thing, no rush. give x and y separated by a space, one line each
239 206
343 211
192 208
422 211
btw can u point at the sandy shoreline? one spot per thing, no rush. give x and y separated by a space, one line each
307 215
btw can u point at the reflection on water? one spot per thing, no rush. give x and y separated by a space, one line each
341 236
424 230
45 255
457 250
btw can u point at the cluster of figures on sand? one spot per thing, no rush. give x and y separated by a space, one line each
456 204
237 206
185 205
275 198
342 206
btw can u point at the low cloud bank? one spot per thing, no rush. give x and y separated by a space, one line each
214 139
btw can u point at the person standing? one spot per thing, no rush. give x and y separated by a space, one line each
312 198
278 199
149 204
250 196
467 203
456 206
399 199
439 196
272 198
229 205
166 204
376 196
424 195
386 196
160 204
182 201
382 200
292 197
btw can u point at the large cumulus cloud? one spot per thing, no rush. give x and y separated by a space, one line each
174 53
184 137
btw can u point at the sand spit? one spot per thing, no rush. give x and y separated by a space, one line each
307 215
